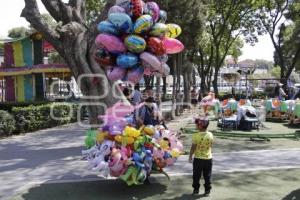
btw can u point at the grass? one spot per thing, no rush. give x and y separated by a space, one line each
263 185
275 136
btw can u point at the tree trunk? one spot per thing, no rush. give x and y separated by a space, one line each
215 82
178 88
174 93
203 85
187 86
74 41
148 80
194 78
158 96
164 89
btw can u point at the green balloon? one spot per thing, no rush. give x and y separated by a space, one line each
90 139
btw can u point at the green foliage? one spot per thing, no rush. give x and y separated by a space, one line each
93 8
8 106
7 123
18 32
236 49
281 20
264 64
54 57
276 72
34 118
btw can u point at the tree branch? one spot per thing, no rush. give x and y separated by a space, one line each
79 12
53 8
66 13
32 14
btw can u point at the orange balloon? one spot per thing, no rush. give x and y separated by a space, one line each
276 103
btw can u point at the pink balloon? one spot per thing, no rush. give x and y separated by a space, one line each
150 60
110 42
120 109
116 73
172 45
158 153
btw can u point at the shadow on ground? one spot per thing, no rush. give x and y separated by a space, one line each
110 189
294 195
270 185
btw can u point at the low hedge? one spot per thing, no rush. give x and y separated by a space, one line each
33 118
8 106
7 123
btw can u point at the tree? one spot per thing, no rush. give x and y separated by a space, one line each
18 32
189 15
74 41
226 22
280 20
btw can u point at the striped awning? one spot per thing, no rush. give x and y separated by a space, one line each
49 68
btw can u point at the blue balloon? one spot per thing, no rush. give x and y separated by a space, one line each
162 16
122 21
127 60
107 27
143 24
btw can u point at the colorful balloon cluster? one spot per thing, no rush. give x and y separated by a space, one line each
123 151
134 41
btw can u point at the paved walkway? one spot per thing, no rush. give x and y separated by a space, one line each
54 155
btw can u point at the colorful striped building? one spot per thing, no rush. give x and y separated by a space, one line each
23 74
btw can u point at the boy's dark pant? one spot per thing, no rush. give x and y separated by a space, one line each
202 166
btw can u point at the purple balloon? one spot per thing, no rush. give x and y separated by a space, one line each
116 73
116 9
116 129
165 70
153 10
150 60
135 75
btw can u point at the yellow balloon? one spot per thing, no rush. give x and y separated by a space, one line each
100 137
175 153
173 31
131 132
136 133
149 130
118 138
129 140
164 144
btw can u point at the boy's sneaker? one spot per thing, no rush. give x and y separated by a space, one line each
206 193
195 192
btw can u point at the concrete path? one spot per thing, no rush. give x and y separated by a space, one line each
53 155
243 161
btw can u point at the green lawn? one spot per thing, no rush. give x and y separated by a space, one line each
264 185
223 143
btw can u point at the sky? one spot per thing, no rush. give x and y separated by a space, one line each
10 17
